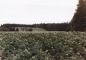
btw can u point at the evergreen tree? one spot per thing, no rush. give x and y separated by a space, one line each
78 22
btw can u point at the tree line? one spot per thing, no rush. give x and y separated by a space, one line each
54 26
47 27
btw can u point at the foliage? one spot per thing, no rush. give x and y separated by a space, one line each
44 46
78 22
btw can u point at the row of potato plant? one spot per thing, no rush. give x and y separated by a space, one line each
43 46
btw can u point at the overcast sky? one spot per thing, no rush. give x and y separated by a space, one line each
36 11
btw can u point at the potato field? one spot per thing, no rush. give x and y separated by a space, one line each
43 46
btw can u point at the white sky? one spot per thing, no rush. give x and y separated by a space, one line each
36 11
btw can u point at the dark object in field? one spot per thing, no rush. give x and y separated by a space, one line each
30 29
